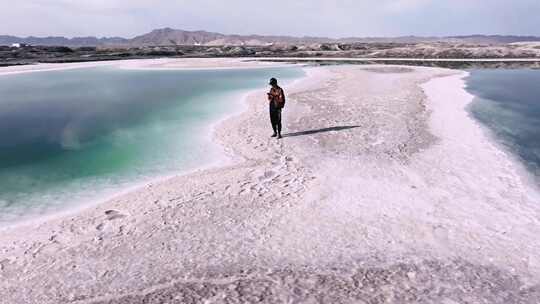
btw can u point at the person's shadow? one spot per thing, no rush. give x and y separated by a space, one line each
315 131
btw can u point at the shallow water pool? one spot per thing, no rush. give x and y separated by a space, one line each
73 136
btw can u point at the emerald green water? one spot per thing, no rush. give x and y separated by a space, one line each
73 136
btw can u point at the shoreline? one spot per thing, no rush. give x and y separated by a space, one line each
530 177
224 158
374 181
148 64
531 180
233 63
488 135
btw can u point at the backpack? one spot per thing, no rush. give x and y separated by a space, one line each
281 103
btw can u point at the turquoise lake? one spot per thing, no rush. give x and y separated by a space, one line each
74 136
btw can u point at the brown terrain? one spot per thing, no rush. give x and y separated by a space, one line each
178 43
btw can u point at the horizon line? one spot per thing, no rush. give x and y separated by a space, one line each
275 35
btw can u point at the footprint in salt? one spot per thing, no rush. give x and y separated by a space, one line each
113 215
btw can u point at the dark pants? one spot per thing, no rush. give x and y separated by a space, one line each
275 119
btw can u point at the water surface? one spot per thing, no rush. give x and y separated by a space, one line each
71 136
508 103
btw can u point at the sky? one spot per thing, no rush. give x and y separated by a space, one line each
328 18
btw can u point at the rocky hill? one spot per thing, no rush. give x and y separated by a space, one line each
168 36
403 51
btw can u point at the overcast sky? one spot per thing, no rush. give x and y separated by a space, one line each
332 18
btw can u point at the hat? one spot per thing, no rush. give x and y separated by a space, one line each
273 81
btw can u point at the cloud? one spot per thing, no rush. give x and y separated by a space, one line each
334 18
405 5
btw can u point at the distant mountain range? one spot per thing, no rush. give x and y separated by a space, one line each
62 41
168 36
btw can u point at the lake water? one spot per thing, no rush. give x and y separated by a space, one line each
508 103
73 136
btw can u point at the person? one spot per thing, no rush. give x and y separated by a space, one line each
276 98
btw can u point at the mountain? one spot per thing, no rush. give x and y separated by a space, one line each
169 36
63 41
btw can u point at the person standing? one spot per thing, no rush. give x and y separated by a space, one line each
276 98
